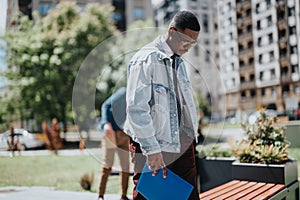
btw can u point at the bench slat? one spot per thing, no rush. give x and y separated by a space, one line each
257 192
216 189
225 190
270 192
235 191
247 191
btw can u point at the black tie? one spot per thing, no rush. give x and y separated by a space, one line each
175 63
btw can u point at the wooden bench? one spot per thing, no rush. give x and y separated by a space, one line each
246 190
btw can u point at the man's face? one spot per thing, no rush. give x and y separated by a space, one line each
181 41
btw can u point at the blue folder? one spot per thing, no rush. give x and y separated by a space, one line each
159 188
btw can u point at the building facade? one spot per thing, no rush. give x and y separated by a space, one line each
202 60
126 11
261 66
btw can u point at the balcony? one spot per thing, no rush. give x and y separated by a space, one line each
246 69
282 24
290 3
245 36
295 76
247 85
284 60
292 21
294 59
248 51
293 40
285 79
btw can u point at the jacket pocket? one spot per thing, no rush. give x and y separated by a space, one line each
160 113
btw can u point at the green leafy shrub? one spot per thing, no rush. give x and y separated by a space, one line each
265 143
216 151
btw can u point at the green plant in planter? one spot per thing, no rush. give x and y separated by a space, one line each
215 151
265 143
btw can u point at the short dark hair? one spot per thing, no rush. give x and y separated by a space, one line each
185 19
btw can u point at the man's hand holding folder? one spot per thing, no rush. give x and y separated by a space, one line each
155 162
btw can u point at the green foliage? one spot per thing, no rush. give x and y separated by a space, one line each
217 151
44 56
266 142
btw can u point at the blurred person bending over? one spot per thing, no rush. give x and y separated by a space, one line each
113 114
161 113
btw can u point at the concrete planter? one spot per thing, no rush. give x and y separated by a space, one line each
285 174
214 171
292 133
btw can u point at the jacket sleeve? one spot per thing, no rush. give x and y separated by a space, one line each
105 112
139 121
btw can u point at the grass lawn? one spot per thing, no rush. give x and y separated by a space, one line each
65 172
60 172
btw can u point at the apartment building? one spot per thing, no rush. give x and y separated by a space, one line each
229 53
202 60
267 69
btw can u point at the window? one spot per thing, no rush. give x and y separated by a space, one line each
263 92
248 12
138 13
252 77
291 11
249 28
243 79
282 34
292 30
260 58
205 22
261 75
270 36
294 49
259 42
273 92
242 63
296 88
295 69
250 45
257 8
269 19
44 8
251 60
282 53
252 93
258 25
284 71
273 76
272 57
243 94
268 4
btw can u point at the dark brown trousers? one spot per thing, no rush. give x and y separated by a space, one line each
182 164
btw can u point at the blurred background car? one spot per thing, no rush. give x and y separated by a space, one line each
27 140
253 116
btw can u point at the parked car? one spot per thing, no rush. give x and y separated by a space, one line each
27 140
253 116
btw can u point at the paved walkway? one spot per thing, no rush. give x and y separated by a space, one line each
45 193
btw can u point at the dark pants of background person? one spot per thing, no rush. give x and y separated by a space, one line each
122 148
184 166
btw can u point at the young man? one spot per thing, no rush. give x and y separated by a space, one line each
161 114
115 140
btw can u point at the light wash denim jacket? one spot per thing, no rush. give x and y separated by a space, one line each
151 102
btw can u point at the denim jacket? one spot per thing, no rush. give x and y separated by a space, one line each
152 116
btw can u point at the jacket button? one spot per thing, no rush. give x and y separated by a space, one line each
175 132
174 114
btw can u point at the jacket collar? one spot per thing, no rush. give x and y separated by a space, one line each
164 49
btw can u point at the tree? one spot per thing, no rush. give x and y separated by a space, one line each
45 54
